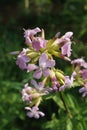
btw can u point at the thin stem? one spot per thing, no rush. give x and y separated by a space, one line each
66 108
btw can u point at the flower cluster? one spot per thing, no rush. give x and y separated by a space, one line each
38 59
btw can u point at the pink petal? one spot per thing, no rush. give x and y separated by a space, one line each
84 65
21 63
31 67
84 94
77 61
27 108
33 82
84 73
30 114
39 43
66 49
36 45
36 115
28 33
35 30
38 74
41 113
43 59
50 63
68 35
46 72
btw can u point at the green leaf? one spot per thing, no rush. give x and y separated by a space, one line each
58 101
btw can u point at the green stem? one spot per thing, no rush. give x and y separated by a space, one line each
66 108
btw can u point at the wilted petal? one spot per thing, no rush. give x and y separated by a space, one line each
38 74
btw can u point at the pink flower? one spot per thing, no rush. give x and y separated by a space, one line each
83 90
31 67
39 43
44 66
66 49
27 93
84 73
29 33
34 112
68 83
65 43
40 87
68 35
22 59
80 62
55 84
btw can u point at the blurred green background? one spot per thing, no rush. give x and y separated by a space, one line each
53 16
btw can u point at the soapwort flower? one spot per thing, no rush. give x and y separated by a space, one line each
68 83
80 62
44 66
22 59
34 112
83 90
29 33
47 78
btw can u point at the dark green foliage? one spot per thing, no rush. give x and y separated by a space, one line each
54 16
74 117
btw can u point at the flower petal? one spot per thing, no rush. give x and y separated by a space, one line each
30 32
66 49
27 108
41 113
46 72
43 59
50 63
38 74
84 73
39 43
30 114
33 82
68 35
36 115
31 67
